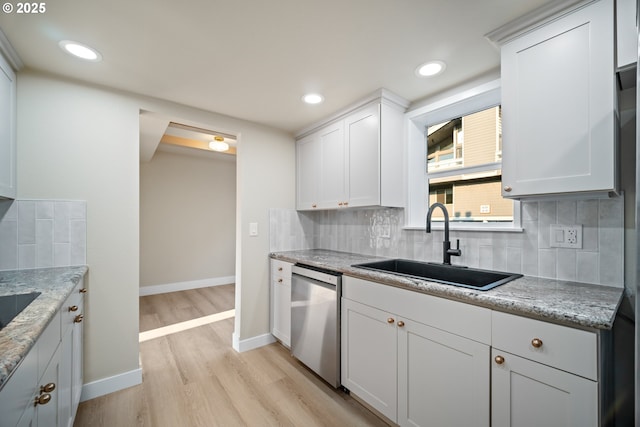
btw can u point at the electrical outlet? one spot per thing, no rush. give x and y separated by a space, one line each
565 236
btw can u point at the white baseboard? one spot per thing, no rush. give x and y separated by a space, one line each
251 343
183 286
112 384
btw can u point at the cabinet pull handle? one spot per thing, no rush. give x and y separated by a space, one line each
73 308
43 399
83 291
390 320
499 360
400 324
507 188
536 342
47 388
78 318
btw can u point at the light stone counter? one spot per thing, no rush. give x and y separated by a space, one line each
569 303
19 335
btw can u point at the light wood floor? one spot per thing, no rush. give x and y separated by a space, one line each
195 378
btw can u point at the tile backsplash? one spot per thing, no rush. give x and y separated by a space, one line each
42 233
379 232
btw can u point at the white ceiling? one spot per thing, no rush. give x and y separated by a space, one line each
255 59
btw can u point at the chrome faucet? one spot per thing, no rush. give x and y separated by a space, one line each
447 252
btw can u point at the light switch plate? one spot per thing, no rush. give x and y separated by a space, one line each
565 236
253 229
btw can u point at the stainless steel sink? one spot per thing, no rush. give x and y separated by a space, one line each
12 305
473 278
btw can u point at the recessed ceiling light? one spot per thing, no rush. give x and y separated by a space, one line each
313 98
430 68
80 50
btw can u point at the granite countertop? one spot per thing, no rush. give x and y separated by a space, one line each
19 335
569 303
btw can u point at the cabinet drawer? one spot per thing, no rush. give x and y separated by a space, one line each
71 308
565 348
458 318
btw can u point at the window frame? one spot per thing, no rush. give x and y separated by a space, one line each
456 104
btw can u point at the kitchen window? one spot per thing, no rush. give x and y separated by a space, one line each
455 158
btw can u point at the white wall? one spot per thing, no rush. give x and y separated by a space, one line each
187 218
81 142
265 178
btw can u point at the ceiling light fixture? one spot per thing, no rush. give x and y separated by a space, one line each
430 69
313 98
218 144
80 50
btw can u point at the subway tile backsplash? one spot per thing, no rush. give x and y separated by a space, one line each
379 232
42 233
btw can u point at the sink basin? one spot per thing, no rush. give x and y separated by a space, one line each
473 278
12 305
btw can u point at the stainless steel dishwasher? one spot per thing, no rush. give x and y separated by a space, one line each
315 320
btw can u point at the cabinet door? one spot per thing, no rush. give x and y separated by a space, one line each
307 172
363 141
530 394
281 328
64 382
16 396
369 356
49 410
443 379
7 130
332 169
29 417
558 103
77 352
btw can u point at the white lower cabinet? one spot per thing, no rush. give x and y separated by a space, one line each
44 390
72 355
529 394
412 371
370 356
543 374
281 301
421 360
442 378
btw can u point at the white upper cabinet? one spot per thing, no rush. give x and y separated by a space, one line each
355 158
362 137
626 34
7 130
558 106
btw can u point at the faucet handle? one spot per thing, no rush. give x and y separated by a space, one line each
456 251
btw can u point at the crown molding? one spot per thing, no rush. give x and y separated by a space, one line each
542 15
10 53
